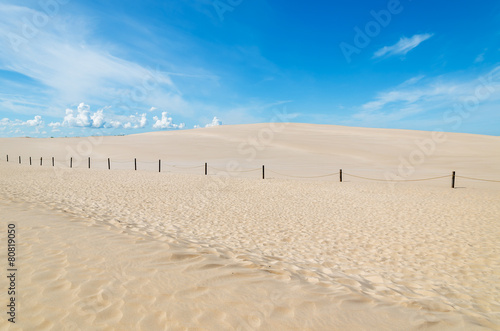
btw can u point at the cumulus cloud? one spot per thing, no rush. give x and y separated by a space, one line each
403 46
143 121
166 122
84 118
81 119
98 119
134 122
215 122
37 121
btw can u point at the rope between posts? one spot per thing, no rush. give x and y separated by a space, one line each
397 180
113 161
320 176
484 180
181 167
234 170
148 162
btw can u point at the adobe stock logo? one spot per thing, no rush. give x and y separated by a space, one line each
221 7
31 25
372 29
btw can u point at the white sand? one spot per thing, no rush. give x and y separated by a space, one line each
126 250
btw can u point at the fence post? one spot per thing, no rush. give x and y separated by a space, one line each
340 175
263 172
109 164
52 161
71 162
19 159
135 164
159 165
40 160
89 162
30 160
453 180
206 169
7 157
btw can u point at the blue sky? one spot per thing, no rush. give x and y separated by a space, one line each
75 68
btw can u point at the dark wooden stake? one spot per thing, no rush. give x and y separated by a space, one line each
30 160
109 164
135 164
71 162
263 173
19 160
7 158
52 161
453 180
40 161
206 169
159 165
341 175
89 162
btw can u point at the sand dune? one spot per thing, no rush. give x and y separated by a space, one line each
139 250
296 149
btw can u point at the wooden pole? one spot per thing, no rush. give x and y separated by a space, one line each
135 164
52 161
40 161
159 165
341 175
263 173
109 164
71 162
453 180
30 160
206 169
89 162
19 159
7 157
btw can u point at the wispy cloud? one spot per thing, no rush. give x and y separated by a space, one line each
403 46
480 57
431 96
72 66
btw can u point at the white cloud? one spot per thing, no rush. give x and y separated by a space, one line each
153 109
166 122
82 118
134 122
403 46
98 119
429 95
412 80
86 119
480 57
115 124
37 121
143 121
64 58
215 122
